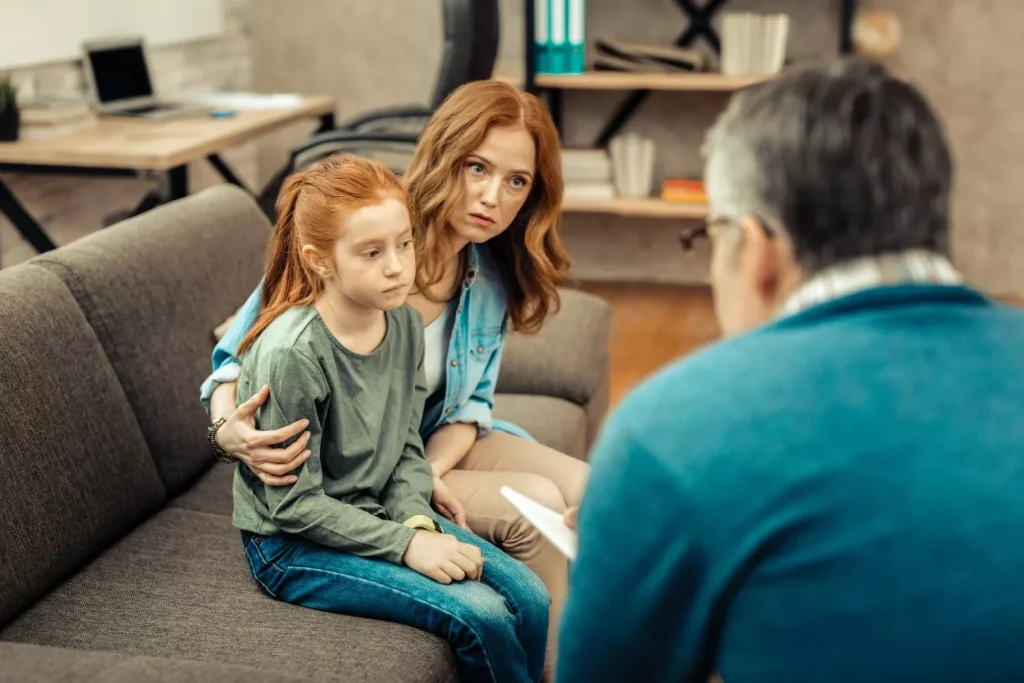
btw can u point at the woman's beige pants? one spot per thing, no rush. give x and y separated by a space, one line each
549 477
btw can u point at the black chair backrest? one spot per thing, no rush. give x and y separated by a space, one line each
471 34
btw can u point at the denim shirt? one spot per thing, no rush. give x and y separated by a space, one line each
471 368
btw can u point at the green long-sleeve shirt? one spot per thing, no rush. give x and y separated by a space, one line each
366 473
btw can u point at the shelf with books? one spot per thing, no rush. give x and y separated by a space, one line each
541 78
602 181
619 80
642 207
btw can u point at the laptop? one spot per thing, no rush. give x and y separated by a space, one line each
120 83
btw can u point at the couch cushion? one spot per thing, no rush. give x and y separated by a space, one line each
567 358
178 587
554 422
59 665
154 288
212 493
76 471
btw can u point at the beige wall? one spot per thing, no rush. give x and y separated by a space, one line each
965 55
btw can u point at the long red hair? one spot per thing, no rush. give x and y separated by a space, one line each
530 252
310 208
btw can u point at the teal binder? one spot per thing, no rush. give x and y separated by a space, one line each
558 35
542 35
576 54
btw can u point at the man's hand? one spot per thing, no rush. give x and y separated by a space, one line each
443 558
445 502
570 517
239 437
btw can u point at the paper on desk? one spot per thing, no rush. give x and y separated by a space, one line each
246 100
548 522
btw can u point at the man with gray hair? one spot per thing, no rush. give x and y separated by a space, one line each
835 492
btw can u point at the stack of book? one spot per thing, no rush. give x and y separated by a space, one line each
616 55
753 43
587 174
558 36
683 190
46 118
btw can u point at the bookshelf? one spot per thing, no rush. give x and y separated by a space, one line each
700 25
644 207
639 86
618 80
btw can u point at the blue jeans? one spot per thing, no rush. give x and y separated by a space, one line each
497 626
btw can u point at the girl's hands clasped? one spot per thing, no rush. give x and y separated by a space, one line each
443 557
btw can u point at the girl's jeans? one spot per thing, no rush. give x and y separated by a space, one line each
497 626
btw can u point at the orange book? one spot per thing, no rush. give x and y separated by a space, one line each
683 190
683 184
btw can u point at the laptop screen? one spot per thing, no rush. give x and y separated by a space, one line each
120 73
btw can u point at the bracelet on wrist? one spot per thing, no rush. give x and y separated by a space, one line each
218 452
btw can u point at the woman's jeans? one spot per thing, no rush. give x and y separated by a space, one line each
497 626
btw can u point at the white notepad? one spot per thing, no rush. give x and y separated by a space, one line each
548 522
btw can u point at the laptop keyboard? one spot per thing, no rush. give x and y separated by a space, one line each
147 108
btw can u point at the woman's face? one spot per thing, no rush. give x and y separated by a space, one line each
498 176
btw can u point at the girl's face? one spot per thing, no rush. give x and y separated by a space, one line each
374 261
497 178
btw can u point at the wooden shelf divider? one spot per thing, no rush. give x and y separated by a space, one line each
644 207
620 80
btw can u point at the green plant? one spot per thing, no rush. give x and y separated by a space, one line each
8 93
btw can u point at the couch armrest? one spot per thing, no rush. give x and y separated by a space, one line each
567 358
40 664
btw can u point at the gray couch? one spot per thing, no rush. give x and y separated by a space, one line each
118 561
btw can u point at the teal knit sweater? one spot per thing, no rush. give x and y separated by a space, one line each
835 497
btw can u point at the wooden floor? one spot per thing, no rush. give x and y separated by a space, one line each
653 325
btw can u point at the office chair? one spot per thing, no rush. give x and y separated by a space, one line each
471 34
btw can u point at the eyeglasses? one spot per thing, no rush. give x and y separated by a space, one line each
703 229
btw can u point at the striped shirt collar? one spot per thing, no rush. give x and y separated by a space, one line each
915 266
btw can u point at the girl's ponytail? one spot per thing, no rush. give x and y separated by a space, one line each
287 281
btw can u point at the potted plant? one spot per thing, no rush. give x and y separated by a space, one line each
9 116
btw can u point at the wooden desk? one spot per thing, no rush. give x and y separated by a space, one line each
124 146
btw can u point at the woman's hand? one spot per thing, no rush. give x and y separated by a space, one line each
239 437
445 502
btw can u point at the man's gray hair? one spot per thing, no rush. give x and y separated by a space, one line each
847 159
